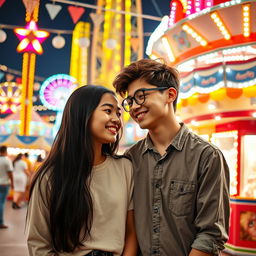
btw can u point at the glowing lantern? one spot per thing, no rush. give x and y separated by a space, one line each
84 42
203 97
218 94
184 102
192 100
250 91
111 43
234 93
3 36
58 42
31 38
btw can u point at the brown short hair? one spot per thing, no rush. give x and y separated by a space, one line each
151 71
3 149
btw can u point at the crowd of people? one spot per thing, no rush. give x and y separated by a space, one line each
167 195
15 175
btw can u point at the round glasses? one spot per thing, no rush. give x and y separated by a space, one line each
139 97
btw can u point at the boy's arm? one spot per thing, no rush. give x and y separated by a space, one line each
195 252
212 216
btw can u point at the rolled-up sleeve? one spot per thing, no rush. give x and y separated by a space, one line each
37 227
213 210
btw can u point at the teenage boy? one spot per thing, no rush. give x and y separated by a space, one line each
181 193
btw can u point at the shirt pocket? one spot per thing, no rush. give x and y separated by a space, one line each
181 197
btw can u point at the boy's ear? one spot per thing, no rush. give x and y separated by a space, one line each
172 94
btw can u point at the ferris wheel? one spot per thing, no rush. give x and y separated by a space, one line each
54 94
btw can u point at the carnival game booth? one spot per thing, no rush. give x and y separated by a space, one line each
37 143
213 45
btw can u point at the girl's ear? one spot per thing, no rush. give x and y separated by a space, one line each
171 95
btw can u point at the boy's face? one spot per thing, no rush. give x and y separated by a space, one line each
154 109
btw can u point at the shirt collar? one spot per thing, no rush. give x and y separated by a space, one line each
178 141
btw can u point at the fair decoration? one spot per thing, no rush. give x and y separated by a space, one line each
30 5
1 3
97 18
53 10
75 13
111 43
31 38
84 42
3 36
58 42
54 94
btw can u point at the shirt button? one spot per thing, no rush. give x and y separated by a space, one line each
156 230
156 209
157 185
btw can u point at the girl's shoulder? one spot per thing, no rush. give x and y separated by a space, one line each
121 160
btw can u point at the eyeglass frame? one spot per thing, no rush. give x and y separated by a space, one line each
143 90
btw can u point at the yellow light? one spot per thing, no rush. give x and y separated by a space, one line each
37 46
22 45
41 34
168 49
221 26
22 31
195 34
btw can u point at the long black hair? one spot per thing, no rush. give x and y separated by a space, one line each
69 165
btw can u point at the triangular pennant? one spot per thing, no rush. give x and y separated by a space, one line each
97 18
1 3
53 10
9 77
75 13
30 5
135 43
1 75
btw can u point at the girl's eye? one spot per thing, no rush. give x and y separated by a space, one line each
118 114
108 111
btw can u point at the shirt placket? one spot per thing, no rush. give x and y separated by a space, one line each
157 182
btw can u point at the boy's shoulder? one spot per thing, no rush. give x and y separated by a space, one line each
138 147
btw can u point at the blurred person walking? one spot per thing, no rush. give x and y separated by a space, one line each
20 180
6 180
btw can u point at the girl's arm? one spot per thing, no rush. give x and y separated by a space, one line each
37 225
131 244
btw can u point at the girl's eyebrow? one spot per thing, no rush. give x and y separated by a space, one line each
110 105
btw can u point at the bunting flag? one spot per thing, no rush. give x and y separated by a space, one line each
1 3
75 13
53 10
1 75
9 77
97 19
135 43
30 5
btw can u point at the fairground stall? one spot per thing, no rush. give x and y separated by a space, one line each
213 45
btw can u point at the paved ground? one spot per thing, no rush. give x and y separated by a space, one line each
12 240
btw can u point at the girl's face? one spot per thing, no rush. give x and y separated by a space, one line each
106 120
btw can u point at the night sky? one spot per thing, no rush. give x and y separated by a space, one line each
54 60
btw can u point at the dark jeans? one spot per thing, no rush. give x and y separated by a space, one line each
99 253
4 189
